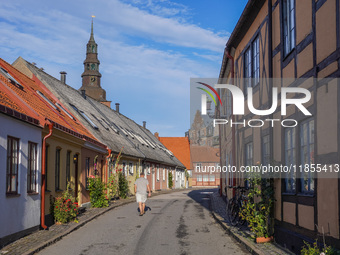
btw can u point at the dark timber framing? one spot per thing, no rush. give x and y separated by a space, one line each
264 32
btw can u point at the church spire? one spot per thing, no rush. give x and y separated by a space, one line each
91 75
92 37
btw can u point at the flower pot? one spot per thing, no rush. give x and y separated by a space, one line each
264 239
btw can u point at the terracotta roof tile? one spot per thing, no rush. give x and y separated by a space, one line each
180 147
30 97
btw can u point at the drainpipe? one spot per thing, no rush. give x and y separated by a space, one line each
43 176
233 119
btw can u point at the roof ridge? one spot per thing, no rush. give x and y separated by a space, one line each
40 70
21 73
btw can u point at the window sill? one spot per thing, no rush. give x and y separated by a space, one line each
59 190
288 194
32 193
47 190
306 194
9 195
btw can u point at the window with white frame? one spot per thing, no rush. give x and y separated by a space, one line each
199 177
252 64
290 160
124 168
32 168
288 26
12 165
130 168
247 69
307 155
249 154
205 177
163 173
157 174
212 178
256 61
87 171
265 150
228 104
148 169
57 169
68 167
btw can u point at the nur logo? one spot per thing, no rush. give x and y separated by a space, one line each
204 98
239 99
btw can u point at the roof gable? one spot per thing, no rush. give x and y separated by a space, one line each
180 147
34 96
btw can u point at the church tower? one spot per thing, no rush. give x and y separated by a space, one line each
91 75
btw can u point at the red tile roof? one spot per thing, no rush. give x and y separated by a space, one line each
25 99
180 147
9 107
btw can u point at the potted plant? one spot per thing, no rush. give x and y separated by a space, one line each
258 208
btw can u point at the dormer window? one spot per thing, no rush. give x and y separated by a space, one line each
101 122
10 78
88 119
125 133
47 100
64 110
83 114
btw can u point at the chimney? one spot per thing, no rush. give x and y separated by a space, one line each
144 124
157 135
117 107
83 93
63 77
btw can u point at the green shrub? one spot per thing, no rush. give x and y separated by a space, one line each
314 249
97 196
256 211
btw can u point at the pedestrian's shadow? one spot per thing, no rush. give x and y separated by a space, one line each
147 208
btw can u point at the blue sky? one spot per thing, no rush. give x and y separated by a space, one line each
148 49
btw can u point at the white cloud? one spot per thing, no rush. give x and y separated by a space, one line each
157 72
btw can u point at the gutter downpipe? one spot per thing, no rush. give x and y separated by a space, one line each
233 119
43 176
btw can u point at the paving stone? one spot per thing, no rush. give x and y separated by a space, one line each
40 239
242 234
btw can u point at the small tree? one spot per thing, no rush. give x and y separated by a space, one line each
170 180
123 185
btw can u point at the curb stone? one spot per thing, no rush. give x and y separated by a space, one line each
59 236
70 230
248 244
